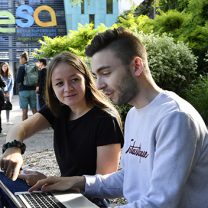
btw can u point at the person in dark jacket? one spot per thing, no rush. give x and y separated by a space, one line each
41 83
2 85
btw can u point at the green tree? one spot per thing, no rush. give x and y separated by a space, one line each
147 7
199 9
74 42
190 26
179 5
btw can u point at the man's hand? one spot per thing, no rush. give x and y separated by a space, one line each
31 177
11 162
53 183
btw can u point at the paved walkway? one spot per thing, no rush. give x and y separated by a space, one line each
39 142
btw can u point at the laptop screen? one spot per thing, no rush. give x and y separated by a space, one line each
10 195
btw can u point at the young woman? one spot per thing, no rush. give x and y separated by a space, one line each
87 133
8 89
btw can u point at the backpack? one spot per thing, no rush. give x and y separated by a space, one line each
31 75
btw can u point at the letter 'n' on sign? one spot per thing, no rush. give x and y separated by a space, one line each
53 21
6 18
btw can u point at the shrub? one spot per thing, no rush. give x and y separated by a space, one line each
173 65
123 110
170 21
197 95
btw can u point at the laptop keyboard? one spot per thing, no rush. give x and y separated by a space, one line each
42 200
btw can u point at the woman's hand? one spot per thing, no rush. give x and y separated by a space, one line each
53 183
6 94
11 162
31 177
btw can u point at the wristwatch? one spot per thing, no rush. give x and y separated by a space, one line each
14 143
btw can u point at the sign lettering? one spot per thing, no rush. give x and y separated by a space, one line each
25 17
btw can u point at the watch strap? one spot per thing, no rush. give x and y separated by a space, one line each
14 143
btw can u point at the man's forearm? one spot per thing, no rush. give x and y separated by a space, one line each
105 186
79 184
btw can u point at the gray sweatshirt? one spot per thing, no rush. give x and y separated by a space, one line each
164 159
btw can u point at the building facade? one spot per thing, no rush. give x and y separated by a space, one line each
102 11
24 22
95 11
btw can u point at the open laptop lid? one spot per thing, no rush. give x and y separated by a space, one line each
11 195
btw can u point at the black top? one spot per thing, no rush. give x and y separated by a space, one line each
41 81
20 79
76 141
2 85
2 82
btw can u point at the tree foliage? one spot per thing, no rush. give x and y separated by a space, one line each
197 95
173 65
74 42
190 25
146 8
166 5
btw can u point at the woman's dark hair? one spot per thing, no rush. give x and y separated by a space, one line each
43 60
25 56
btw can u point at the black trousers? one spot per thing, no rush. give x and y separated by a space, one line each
0 122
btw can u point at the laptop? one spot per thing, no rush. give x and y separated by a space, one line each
49 200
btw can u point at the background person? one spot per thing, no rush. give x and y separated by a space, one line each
40 88
8 89
27 95
2 85
87 135
165 155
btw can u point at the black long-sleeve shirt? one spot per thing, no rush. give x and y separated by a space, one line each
2 85
41 81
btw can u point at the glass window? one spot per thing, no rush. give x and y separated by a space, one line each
92 18
109 6
82 7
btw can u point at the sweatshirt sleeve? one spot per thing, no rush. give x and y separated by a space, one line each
105 186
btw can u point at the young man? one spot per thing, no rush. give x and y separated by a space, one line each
27 95
165 155
41 83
